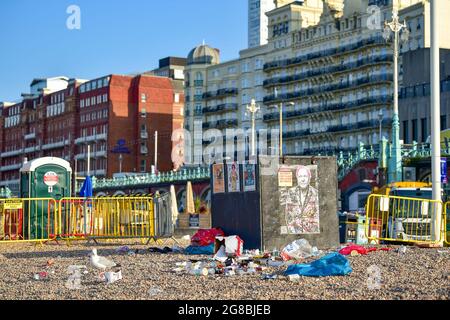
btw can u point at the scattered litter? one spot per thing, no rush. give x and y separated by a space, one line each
154 291
177 249
269 276
123 249
294 277
192 250
357 250
443 251
299 249
205 237
50 262
233 245
112 277
401 250
333 264
159 250
221 254
275 263
186 237
40 276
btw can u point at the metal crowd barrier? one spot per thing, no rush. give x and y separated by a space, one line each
107 217
392 218
28 220
46 219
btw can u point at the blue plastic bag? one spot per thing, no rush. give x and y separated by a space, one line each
334 264
200 250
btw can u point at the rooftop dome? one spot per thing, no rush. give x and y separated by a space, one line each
203 54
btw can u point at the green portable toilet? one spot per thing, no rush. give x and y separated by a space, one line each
43 178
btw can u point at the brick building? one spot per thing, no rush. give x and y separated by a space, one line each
116 115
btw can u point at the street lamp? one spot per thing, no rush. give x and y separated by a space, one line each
281 119
380 119
395 27
253 108
120 163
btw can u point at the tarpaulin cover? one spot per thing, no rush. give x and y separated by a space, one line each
205 237
333 264
200 250
361 250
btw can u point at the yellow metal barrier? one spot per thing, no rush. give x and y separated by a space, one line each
446 225
28 220
107 217
392 218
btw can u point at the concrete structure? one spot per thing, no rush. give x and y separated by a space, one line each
414 103
257 21
116 115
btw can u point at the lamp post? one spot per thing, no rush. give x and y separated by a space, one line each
395 164
436 125
380 119
281 119
120 163
253 108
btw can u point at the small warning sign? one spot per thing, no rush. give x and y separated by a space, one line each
13 205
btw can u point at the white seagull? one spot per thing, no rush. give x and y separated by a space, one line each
100 262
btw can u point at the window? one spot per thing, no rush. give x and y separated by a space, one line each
423 128
143 98
105 98
99 99
443 122
415 136
143 166
88 86
177 97
105 113
405 132
99 83
88 102
88 117
92 101
94 85
94 116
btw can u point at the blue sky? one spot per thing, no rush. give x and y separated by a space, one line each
116 36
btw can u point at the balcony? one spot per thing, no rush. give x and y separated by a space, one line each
325 53
198 97
220 93
375 79
30 136
198 83
275 116
11 153
198 113
56 145
95 137
100 172
222 108
31 149
144 150
144 135
94 154
11 167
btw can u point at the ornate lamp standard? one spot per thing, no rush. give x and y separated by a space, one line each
253 108
395 161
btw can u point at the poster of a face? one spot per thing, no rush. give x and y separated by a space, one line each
233 178
299 200
218 178
249 177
